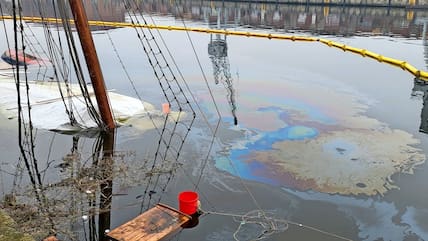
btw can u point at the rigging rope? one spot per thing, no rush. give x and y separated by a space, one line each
61 72
170 136
271 222
216 128
59 66
77 65
26 134
263 215
149 190
163 154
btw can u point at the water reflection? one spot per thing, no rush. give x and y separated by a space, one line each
315 139
420 88
424 40
105 167
83 190
375 219
339 20
336 20
77 194
112 10
217 50
72 197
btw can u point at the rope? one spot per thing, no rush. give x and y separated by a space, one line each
205 162
77 66
26 134
251 215
214 132
174 133
363 52
260 215
128 76
59 65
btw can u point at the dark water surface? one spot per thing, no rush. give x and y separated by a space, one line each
327 140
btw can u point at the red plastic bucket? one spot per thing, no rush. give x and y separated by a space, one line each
188 202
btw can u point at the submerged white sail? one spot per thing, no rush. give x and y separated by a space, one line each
48 110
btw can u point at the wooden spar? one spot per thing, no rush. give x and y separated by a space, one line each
92 62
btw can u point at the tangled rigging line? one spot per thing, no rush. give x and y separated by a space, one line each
269 225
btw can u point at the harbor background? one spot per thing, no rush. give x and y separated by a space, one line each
304 86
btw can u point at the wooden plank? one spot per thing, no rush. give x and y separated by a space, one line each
156 223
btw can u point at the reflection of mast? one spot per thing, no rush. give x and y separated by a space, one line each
106 186
101 173
217 50
422 86
425 42
55 202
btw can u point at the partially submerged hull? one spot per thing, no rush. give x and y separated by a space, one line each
20 58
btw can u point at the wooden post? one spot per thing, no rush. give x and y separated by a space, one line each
82 26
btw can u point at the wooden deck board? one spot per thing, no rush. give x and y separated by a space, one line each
155 224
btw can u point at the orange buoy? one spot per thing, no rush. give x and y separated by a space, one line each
165 108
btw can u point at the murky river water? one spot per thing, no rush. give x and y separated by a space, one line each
325 139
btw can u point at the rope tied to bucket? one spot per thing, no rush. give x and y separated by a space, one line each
269 223
265 220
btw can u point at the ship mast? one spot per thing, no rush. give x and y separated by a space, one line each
88 46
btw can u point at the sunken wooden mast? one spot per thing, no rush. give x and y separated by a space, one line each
91 57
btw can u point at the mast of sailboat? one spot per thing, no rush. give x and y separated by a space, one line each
91 57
